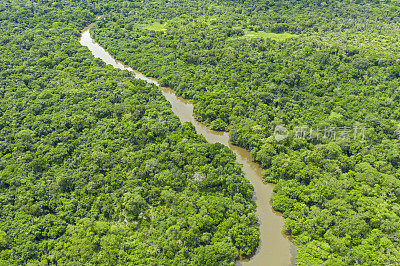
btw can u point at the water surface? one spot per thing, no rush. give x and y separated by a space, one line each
275 247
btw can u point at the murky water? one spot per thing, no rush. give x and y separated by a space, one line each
275 247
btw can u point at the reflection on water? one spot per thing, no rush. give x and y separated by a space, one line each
275 247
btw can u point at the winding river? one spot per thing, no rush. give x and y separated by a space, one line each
275 247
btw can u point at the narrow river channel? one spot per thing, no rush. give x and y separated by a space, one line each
275 247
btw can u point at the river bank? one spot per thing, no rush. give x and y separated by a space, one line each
275 247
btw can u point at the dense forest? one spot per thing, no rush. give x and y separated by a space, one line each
96 169
249 66
94 166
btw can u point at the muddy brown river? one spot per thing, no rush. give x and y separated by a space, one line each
275 248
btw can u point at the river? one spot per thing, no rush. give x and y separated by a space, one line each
275 248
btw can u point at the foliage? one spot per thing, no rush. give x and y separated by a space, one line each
340 198
95 168
269 35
